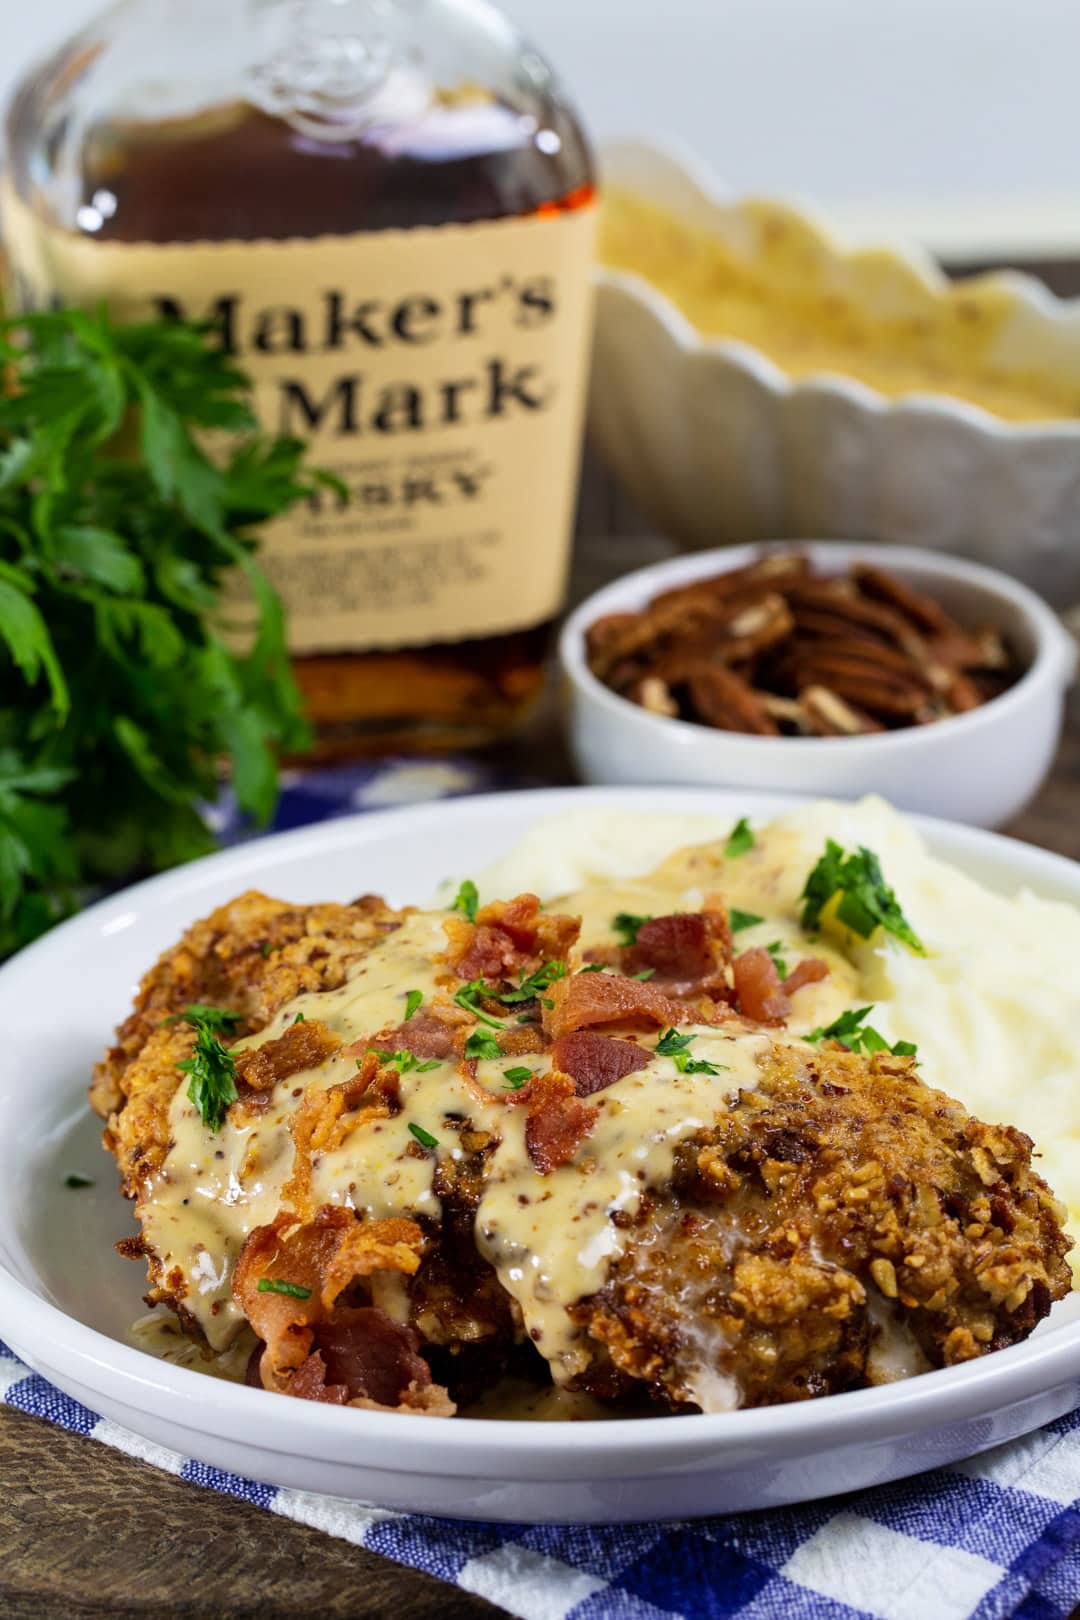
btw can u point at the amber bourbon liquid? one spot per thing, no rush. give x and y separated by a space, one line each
237 175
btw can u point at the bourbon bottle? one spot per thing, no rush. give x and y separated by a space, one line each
386 209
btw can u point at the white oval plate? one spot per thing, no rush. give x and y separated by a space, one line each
67 1300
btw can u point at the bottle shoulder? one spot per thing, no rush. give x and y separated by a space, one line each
451 118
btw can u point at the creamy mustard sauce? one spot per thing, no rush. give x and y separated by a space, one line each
213 1189
771 280
765 882
551 1239
160 1334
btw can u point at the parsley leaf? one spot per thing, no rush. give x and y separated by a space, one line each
529 988
646 973
738 920
412 1003
278 1285
516 1078
211 1067
671 1042
852 1030
482 1045
216 1018
866 901
467 996
778 961
425 1138
740 839
675 1046
467 900
626 925
77 1179
403 1062
122 689
592 967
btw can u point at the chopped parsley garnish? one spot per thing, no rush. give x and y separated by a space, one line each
529 988
482 1045
675 1046
265 949
866 901
852 1031
278 1285
212 1069
403 1062
738 920
671 1043
646 973
592 967
777 960
77 1179
424 1138
299 1019
412 1002
216 1018
466 997
740 839
516 1078
626 925
467 900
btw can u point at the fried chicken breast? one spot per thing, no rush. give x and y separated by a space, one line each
447 1145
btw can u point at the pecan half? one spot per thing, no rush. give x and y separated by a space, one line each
724 699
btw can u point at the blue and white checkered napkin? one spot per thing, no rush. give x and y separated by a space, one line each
997 1536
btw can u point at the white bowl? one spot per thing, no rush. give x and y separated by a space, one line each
717 445
67 1299
980 768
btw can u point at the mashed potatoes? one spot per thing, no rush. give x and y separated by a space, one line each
994 1006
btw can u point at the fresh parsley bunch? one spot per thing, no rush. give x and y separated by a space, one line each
120 693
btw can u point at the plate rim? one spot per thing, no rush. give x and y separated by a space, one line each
1039 1365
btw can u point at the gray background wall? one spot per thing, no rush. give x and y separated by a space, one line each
954 117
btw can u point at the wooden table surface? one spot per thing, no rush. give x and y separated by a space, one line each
87 1533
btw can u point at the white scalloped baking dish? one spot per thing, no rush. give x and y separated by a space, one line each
717 445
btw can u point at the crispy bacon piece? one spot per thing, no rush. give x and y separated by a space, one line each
424 1035
558 1121
811 970
518 1040
594 1061
759 988
762 994
509 937
362 1348
361 1351
689 953
583 999
312 1347
303 1046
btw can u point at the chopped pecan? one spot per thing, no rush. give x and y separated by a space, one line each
655 695
776 648
724 699
924 612
828 715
